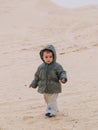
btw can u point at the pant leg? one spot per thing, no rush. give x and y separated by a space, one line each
51 101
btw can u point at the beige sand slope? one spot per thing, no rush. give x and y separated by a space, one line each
27 26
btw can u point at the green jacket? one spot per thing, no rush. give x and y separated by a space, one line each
47 76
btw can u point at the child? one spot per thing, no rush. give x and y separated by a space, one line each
48 77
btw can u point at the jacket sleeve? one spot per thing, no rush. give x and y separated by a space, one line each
34 83
61 73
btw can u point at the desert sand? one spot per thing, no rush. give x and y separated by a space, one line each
26 26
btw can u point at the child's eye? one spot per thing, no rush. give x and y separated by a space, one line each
46 57
50 56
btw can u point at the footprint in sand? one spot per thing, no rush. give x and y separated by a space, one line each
28 118
95 44
31 119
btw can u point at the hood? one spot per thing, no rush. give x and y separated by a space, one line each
51 48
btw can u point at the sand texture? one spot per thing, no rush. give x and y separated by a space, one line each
26 26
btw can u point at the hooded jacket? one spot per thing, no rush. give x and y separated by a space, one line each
47 76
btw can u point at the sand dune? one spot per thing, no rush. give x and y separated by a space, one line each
26 27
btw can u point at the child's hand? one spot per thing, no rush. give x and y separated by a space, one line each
30 86
63 80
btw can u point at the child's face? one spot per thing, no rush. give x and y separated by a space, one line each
48 57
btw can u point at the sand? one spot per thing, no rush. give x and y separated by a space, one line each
25 28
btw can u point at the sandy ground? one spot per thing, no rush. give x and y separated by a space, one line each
26 27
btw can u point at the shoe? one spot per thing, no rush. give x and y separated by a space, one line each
49 115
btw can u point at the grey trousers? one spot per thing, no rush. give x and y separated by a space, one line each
51 101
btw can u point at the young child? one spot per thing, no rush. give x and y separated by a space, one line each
48 78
